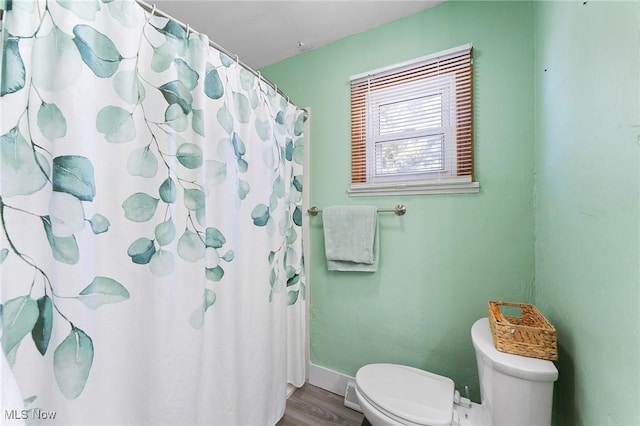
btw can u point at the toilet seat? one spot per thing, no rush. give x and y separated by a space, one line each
406 394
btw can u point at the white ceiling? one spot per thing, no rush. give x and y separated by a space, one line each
264 32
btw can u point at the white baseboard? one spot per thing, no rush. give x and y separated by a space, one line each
330 380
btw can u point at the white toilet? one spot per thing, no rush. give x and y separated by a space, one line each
515 390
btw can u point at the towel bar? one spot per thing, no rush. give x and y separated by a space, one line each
400 210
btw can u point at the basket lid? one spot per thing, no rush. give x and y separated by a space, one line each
407 394
527 368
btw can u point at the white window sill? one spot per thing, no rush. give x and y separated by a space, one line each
416 188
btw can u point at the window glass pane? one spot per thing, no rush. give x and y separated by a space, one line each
410 156
409 115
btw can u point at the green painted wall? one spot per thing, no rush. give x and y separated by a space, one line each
441 262
557 86
587 75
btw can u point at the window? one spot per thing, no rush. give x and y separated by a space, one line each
412 127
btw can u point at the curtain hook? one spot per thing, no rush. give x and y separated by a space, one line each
275 86
237 59
188 29
288 100
153 11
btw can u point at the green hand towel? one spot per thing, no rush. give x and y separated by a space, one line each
351 238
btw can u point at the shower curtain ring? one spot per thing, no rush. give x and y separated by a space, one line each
153 11
188 29
237 59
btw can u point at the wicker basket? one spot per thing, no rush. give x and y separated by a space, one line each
529 334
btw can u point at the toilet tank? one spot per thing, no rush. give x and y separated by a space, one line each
515 390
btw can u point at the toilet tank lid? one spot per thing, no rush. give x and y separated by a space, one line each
527 368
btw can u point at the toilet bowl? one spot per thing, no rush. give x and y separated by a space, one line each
515 390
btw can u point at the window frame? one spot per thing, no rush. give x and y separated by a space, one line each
368 105
446 89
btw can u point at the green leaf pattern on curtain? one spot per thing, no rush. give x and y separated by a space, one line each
171 150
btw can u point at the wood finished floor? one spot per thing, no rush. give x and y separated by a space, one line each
313 406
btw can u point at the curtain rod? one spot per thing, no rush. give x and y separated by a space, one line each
151 8
400 210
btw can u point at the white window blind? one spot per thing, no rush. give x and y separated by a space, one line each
414 121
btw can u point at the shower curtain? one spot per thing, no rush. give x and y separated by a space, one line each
150 245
